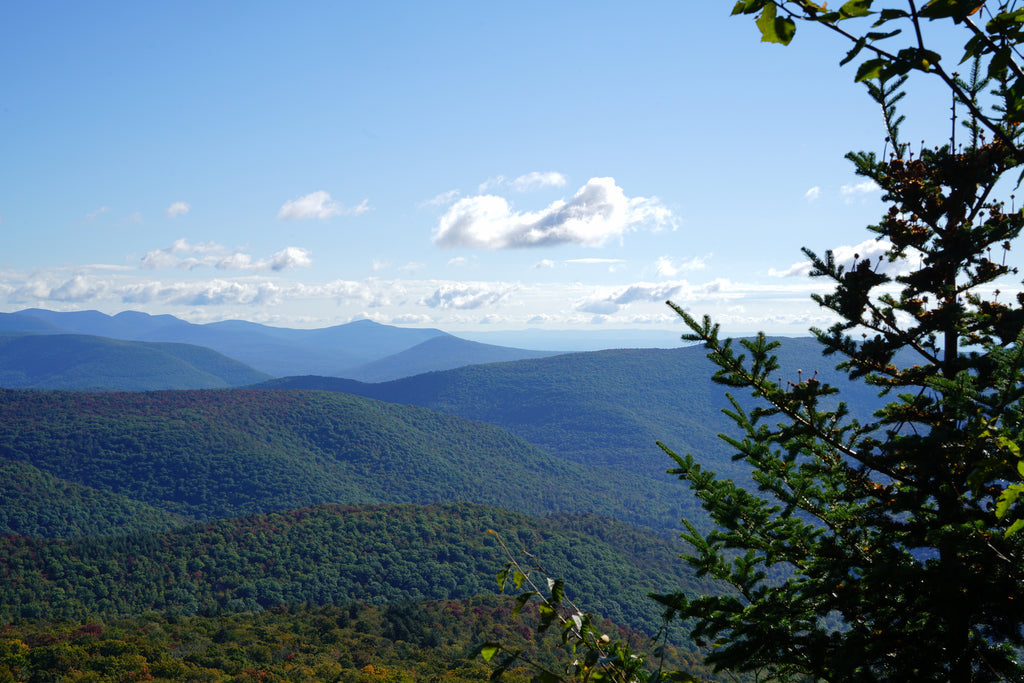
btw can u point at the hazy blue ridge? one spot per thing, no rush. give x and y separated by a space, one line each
78 361
443 352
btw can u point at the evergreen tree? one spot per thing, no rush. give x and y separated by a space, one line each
888 550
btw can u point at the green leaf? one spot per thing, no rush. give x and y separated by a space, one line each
890 14
488 650
557 587
502 577
1008 497
747 6
521 601
775 29
870 70
958 10
1014 528
855 8
547 616
858 46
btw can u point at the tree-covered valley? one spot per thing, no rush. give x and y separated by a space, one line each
183 509
303 494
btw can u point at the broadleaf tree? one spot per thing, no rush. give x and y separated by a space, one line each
890 549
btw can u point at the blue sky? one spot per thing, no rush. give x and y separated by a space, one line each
470 166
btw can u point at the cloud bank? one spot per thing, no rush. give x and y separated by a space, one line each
184 255
467 295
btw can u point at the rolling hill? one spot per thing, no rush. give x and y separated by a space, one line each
38 504
599 409
216 454
335 555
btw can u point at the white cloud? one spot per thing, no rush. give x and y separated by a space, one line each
863 187
467 295
544 263
812 194
608 301
442 199
79 288
458 262
98 212
665 267
289 257
412 319
527 182
612 300
170 256
178 209
597 212
319 205
412 267
486 185
537 180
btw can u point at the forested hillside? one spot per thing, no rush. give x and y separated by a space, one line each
348 643
213 454
602 408
331 555
36 503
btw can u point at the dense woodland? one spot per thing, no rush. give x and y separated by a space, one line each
329 555
232 520
211 454
401 642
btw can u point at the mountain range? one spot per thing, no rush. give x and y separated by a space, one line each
362 350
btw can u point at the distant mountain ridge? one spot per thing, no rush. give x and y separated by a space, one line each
360 349
78 361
